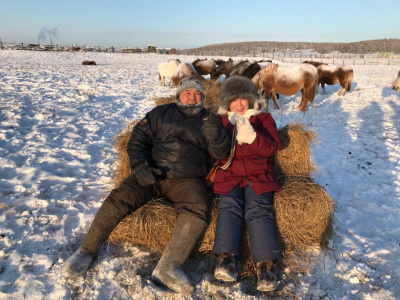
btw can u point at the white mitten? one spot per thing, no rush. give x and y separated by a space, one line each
246 133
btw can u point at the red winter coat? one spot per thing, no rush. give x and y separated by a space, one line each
252 163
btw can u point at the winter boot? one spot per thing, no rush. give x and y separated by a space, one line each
185 236
103 223
227 268
266 279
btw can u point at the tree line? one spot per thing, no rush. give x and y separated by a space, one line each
363 47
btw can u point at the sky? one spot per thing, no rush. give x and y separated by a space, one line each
58 123
191 24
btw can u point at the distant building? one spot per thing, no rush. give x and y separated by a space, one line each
151 49
131 50
171 51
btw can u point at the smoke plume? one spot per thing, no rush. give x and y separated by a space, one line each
44 32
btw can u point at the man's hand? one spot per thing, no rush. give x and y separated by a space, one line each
146 175
211 128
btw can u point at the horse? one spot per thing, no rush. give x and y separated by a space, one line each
331 74
223 68
166 70
184 70
288 81
204 66
396 83
246 68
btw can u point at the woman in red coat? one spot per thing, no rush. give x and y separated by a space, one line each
247 186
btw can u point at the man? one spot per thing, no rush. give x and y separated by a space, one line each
168 150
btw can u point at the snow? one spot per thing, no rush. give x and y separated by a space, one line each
58 121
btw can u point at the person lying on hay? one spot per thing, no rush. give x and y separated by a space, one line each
168 151
246 188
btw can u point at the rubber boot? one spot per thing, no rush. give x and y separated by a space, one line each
106 219
266 279
184 238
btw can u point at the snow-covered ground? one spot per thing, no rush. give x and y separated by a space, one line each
58 120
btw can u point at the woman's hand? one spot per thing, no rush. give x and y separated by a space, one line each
246 133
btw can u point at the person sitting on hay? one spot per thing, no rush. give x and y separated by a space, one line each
246 188
168 152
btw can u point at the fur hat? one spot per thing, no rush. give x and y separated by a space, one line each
189 83
235 87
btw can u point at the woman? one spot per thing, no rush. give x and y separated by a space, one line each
247 186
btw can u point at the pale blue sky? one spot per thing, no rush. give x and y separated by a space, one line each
189 24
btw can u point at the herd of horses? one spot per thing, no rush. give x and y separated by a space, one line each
269 78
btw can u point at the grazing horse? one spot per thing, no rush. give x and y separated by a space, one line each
166 70
331 74
204 66
288 81
183 70
223 68
396 83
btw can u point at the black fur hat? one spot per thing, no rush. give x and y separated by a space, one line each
237 87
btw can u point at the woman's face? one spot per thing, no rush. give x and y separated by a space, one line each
239 106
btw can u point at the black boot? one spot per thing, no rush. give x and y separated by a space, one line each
106 219
185 236
227 268
266 279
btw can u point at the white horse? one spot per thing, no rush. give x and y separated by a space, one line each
183 70
167 69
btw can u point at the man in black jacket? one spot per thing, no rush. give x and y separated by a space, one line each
168 152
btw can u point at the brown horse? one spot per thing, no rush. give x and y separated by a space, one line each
183 70
204 66
246 68
331 74
224 68
288 81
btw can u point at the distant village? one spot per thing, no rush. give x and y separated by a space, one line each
74 47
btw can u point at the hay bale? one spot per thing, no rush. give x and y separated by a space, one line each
122 169
151 226
294 156
303 214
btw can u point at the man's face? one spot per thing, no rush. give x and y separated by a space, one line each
190 97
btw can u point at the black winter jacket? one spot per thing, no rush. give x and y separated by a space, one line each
168 139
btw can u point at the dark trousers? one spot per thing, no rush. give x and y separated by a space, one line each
187 195
243 205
